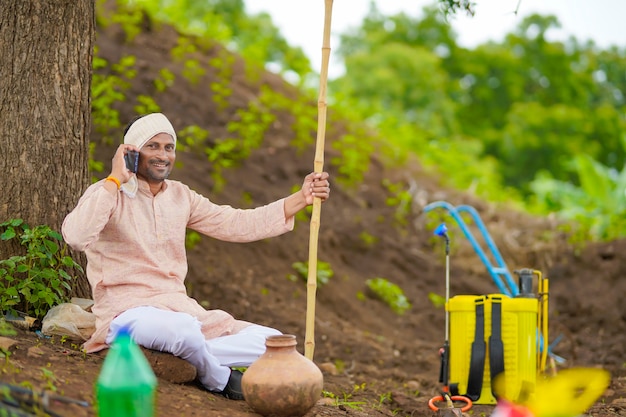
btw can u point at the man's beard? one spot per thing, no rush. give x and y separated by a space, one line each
156 176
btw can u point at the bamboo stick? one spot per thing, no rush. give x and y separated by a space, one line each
318 166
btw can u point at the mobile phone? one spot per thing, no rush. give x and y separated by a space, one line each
132 161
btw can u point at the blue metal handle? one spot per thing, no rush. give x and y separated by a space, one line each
495 271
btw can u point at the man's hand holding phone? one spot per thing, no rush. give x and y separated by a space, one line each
124 163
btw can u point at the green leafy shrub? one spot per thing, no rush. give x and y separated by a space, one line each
597 207
369 239
437 300
94 165
192 238
185 52
324 272
40 279
165 80
191 138
305 121
109 85
390 293
126 14
248 129
6 329
146 104
221 88
401 199
354 159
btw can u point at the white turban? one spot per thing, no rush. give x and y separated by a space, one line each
140 132
147 127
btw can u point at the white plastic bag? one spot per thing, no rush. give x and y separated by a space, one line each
70 320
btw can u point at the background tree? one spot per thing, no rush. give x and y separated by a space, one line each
531 103
45 74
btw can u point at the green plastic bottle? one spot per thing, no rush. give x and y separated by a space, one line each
126 385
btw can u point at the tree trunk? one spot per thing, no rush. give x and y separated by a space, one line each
46 50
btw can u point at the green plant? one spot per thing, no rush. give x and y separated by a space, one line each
368 239
192 238
221 157
94 166
249 128
596 207
324 272
223 65
109 85
50 378
436 299
184 52
146 104
246 198
39 279
305 120
382 399
126 14
251 125
354 159
346 397
6 329
340 365
193 71
165 80
191 138
401 199
390 293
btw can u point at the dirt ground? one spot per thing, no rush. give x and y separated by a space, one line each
386 364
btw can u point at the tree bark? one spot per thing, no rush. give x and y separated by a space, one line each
46 51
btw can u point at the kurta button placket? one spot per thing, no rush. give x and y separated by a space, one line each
158 226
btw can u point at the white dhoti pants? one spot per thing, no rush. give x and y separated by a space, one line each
180 334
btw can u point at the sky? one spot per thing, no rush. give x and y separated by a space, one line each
302 21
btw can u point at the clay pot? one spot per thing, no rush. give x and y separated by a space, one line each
282 382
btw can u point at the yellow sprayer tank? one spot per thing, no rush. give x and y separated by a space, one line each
512 348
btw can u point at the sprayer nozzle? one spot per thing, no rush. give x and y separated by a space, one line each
441 230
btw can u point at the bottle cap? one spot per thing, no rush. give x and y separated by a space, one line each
123 332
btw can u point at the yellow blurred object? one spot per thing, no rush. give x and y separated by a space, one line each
567 394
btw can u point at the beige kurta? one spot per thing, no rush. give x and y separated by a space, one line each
135 248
